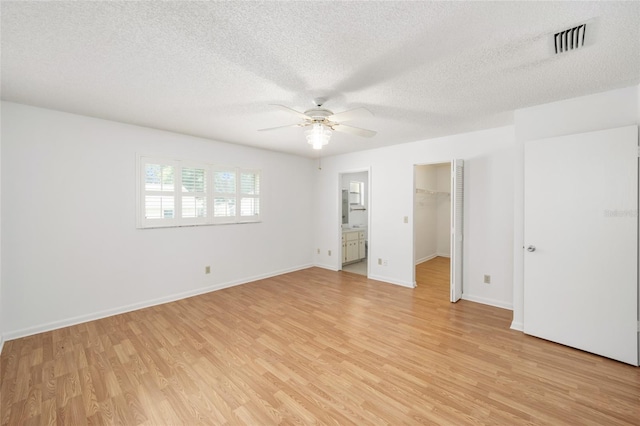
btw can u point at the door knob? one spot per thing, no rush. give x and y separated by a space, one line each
531 249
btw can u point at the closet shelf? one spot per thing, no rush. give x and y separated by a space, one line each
430 192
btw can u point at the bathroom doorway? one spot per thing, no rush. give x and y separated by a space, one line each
354 221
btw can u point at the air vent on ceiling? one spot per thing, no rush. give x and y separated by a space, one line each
570 39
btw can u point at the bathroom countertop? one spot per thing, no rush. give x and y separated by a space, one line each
361 228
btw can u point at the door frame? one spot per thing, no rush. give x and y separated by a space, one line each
339 214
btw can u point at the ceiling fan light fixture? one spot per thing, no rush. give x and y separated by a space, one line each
318 136
322 122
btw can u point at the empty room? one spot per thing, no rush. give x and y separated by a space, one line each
336 212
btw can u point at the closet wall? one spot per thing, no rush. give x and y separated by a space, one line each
432 215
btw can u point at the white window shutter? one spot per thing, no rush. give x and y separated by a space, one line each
179 193
225 189
249 195
194 194
158 193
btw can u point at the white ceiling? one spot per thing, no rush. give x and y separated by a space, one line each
211 69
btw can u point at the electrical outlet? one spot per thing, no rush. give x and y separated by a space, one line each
379 261
329 252
384 262
207 269
487 279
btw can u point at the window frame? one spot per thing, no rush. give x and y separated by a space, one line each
142 222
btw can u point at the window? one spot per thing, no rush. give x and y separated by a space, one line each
224 195
159 191
249 195
356 192
179 193
236 195
194 192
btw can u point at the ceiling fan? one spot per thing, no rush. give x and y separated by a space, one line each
324 121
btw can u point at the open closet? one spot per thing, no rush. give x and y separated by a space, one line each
432 223
438 218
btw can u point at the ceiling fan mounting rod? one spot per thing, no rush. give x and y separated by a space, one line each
319 101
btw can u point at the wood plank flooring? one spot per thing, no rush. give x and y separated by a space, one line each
312 347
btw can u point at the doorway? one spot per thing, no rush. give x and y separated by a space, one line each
354 221
438 198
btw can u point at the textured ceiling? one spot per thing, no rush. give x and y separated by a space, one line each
211 69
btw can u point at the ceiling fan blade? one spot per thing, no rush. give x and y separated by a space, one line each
293 111
352 114
282 127
353 130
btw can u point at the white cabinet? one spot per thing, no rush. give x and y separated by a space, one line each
353 246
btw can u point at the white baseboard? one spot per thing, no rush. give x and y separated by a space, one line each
53 325
432 256
517 326
388 280
426 259
325 266
487 301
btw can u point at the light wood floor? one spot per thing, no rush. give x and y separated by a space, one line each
310 347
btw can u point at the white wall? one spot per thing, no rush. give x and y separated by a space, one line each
600 111
443 210
425 221
70 248
488 249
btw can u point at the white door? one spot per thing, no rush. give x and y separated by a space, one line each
581 241
457 193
